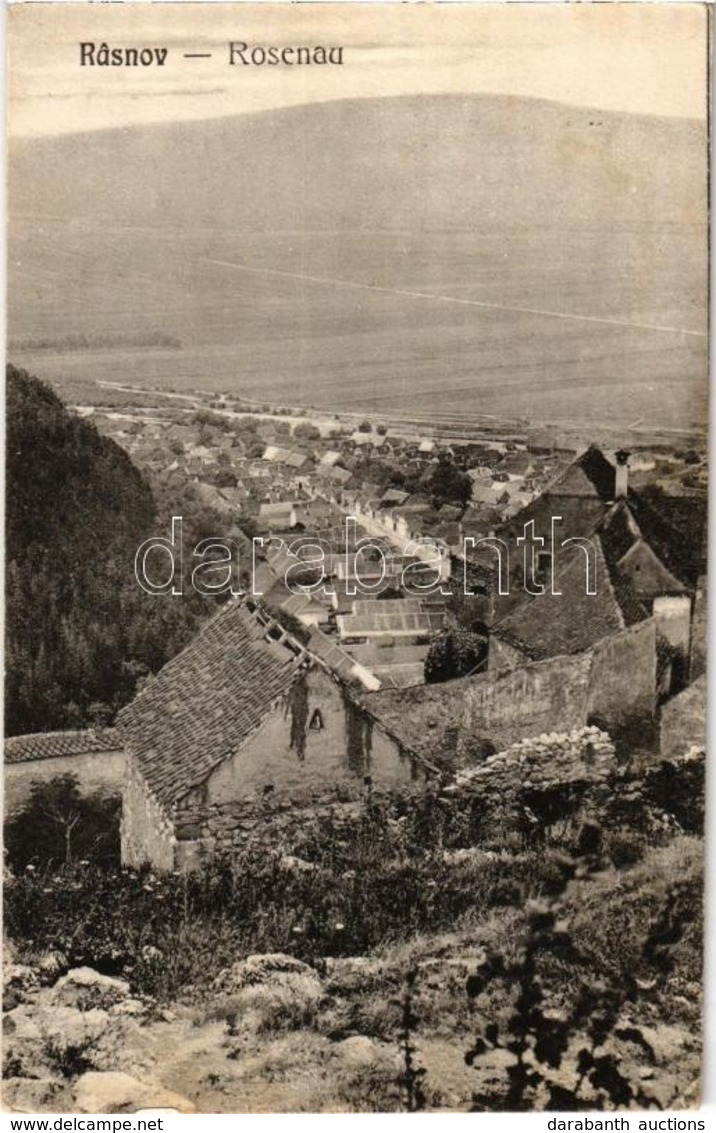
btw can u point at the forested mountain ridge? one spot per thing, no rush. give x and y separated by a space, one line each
80 632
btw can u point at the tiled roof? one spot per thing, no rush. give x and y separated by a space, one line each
331 457
401 674
591 474
277 454
390 605
334 472
394 496
571 621
678 553
55 745
296 459
364 625
207 701
281 510
329 651
633 520
485 493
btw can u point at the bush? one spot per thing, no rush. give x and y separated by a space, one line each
59 825
166 933
454 654
557 1055
625 848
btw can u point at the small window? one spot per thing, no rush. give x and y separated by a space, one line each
544 562
316 722
268 789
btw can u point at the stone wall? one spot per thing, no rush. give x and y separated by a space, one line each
219 828
539 781
585 755
539 697
622 681
622 673
699 631
571 764
672 614
503 657
96 772
147 834
683 720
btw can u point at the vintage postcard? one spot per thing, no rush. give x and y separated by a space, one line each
355 644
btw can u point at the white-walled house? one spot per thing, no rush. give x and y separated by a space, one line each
243 718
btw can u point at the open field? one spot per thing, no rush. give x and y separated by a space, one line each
569 285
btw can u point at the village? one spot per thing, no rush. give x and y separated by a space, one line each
448 683
357 473
334 668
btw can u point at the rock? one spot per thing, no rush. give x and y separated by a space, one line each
12 999
68 1028
21 1024
259 969
289 861
85 988
36 1095
57 1039
51 966
18 978
358 1050
667 1042
114 1092
130 1008
271 992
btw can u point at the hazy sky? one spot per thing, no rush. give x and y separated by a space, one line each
644 58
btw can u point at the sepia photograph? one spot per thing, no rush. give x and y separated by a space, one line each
356 481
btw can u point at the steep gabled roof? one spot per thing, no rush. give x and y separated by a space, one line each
675 550
207 701
572 620
589 475
633 520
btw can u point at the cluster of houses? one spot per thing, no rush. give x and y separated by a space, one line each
248 719
255 715
259 462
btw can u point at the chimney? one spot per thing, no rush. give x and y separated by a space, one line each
621 480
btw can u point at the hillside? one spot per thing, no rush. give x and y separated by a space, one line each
395 208
271 1033
79 631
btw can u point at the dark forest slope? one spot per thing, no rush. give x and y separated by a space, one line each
79 630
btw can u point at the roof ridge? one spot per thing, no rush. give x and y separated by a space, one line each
59 732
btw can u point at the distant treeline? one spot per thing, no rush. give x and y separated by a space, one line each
97 342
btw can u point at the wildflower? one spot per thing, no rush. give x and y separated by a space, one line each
298 931
30 868
339 926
